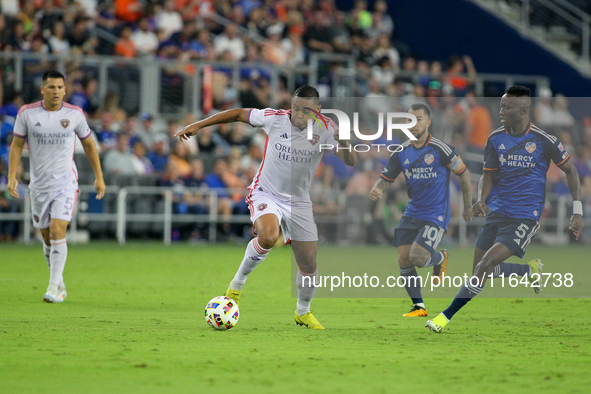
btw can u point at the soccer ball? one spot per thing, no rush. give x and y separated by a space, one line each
222 313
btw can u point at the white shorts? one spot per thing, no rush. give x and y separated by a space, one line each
297 222
59 204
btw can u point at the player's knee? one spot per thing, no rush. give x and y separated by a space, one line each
57 230
404 262
268 236
417 259
485 265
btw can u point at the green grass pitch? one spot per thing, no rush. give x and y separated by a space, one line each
133 323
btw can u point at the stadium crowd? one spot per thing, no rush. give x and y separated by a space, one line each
270 32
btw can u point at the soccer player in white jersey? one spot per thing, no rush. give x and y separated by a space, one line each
50 127
279 196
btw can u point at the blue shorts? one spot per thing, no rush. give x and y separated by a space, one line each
514 233
423 232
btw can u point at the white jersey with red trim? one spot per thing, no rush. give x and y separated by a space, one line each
51 136
290 159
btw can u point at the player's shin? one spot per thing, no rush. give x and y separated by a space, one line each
435 259
253 256
307 284
412 284
57 259
47 253
465 295
508 269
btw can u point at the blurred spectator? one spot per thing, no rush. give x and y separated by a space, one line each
119 161
48 16
146 131
340 37
383 72
145 41
111 104
543 111
84 95
106 133
455 74
230 41
317 33
252 158
158 156
79 35
180 157
128 10
17 40
8 116
562 117
57 42
215 180
272 50
141 164
125 46
9 228
195 201
382 21
360 16
168 19
478 128
384 48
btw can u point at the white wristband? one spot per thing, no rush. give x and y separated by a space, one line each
577 208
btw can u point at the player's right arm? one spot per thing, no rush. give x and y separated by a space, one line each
93 157
484 188
16 153
229 116
388 175
489 167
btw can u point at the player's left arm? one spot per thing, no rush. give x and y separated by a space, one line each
93 157
345 151
572 178
455 163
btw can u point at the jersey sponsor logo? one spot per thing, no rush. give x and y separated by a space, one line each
295 155
502 146
560 147
65 123
406 161
440 218
517 240
66 213
535 212
315 139
429 158
262 207
530 147
420 173
518 161
38 124
284 135
564 155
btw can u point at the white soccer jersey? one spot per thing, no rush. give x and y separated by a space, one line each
290 159
51 136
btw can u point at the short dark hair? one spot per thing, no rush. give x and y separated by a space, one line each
307 91
519 91
52 74
421 106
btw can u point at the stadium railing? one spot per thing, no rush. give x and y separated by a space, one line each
117 213
167 88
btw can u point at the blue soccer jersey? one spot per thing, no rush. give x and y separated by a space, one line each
427 172
520 164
